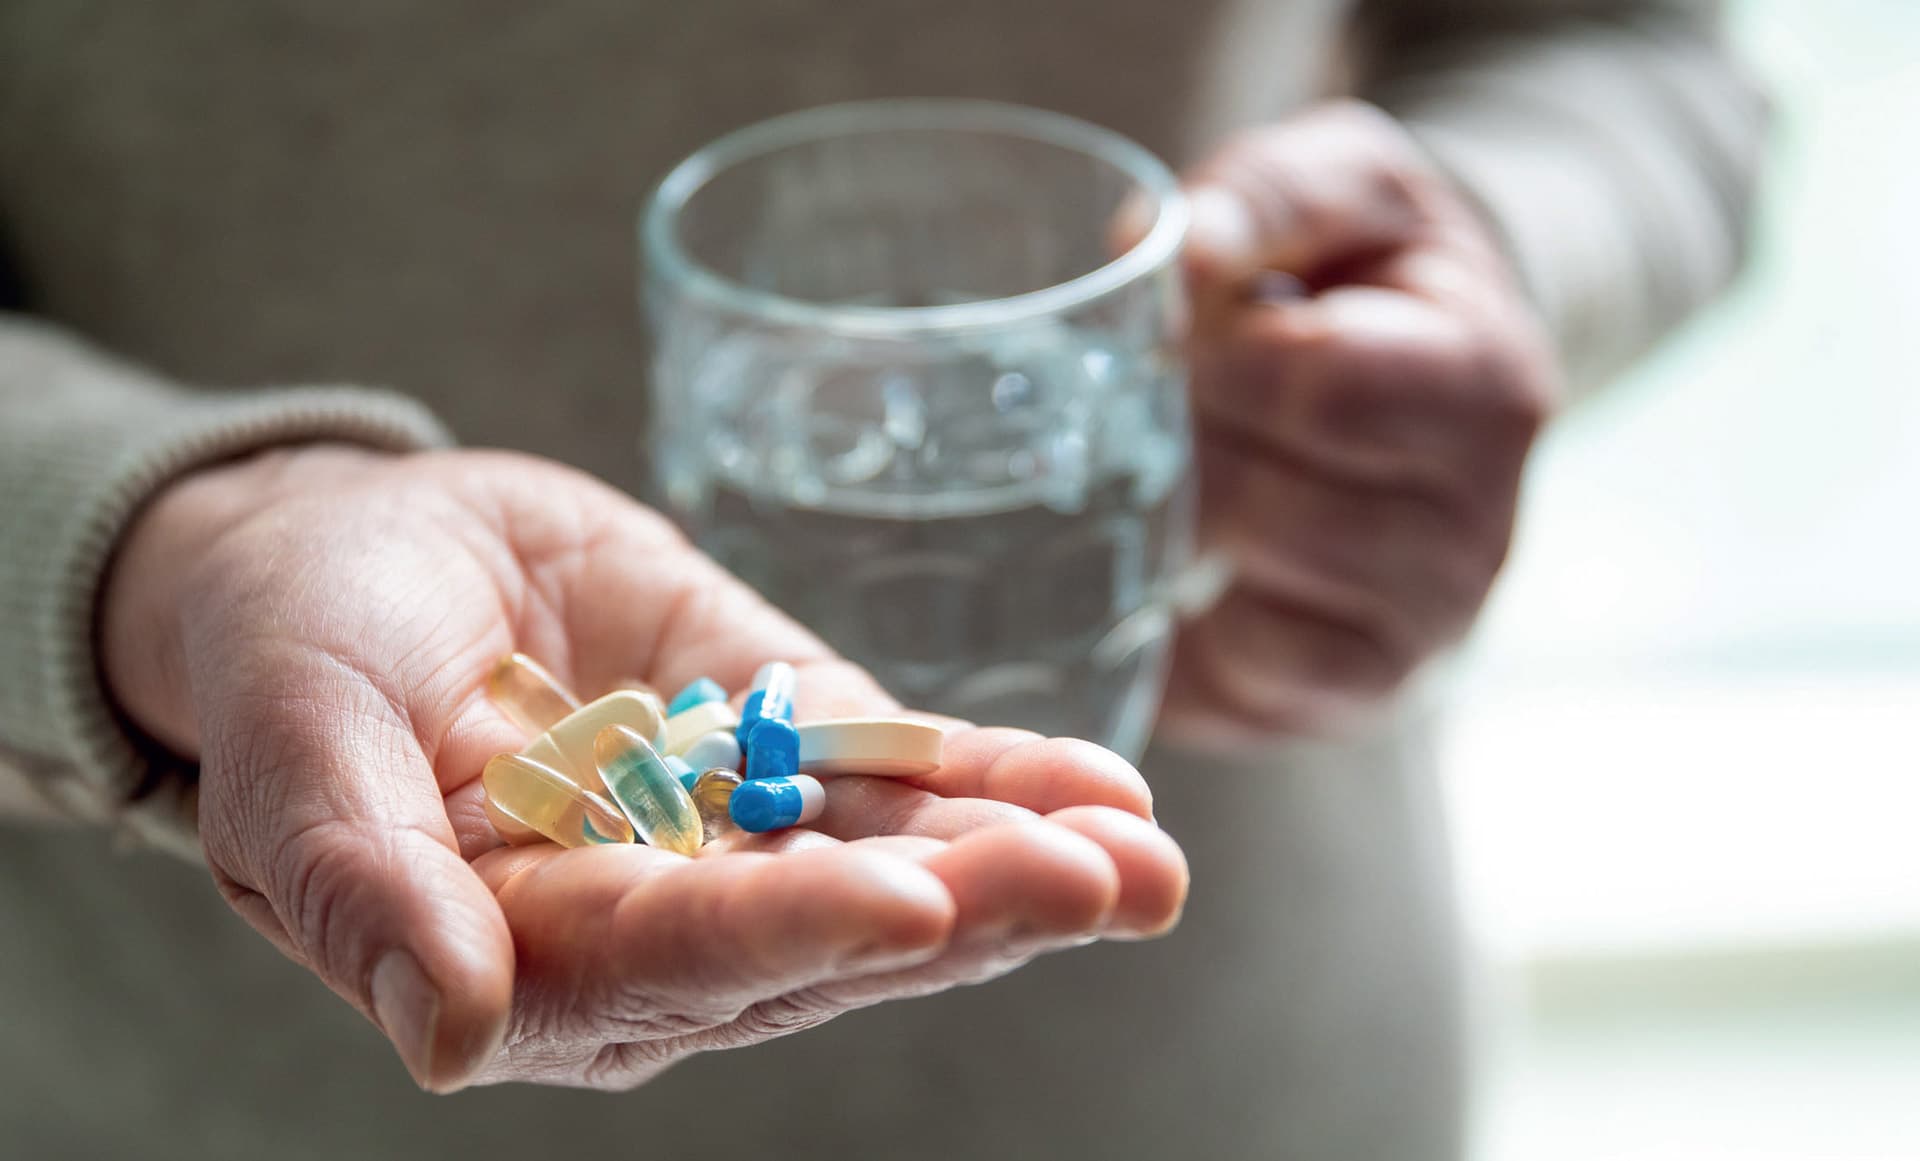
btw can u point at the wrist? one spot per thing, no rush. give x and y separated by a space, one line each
155 566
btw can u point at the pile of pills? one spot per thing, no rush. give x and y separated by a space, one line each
675 775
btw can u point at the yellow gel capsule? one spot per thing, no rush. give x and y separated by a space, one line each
539 798
527 693
568 746
712 791
650 794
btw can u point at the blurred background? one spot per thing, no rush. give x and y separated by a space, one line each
1685 775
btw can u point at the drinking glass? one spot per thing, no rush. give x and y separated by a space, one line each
906 387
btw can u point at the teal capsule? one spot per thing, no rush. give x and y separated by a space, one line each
698 692
680 768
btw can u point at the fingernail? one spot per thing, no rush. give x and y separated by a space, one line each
1139 934
1222 229
408 1008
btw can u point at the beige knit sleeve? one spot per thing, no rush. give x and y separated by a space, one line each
84 441
1614 144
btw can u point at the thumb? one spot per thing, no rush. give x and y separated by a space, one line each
326 830
1336 185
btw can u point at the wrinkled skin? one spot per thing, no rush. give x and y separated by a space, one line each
315 625
1361 433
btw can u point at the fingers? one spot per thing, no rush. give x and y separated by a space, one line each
1152 868
1370 387
624 934
1019 890
1414 568
324 827
1040 774
1361 445
667 955
1331 186
865 807
663 955
988 776
1028 879
1296 669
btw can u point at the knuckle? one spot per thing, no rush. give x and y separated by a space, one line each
1395 189
316 892
1517 394
624 1065
782 1016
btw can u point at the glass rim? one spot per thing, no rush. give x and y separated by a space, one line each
665 257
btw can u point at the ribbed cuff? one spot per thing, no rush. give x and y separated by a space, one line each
113 775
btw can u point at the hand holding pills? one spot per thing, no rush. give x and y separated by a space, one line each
320 628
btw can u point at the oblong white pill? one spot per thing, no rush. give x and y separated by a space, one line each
719 748
690 725
886 747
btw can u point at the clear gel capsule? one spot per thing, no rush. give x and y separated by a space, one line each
527 693
773 750
712 791
646 791
772 697
764 804
698 691
540 798
714 748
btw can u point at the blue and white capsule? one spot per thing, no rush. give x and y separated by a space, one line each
771 699
699 691
773 750
764 804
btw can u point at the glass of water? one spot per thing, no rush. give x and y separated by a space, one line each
905 388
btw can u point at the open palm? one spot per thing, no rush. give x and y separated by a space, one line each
316 626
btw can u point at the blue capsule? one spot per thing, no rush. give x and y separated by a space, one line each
773 750
771 699
699 691
765 804
680 768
